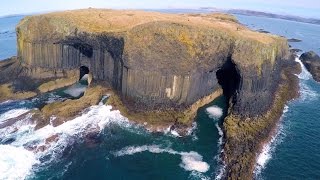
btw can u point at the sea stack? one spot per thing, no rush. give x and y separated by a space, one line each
163 67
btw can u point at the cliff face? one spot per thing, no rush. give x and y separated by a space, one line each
157 60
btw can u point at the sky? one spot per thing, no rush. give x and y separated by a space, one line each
304 8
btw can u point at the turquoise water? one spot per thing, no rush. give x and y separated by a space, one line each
295 152
102 144
117 150
144 155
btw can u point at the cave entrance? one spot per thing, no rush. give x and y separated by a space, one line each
229 79
84 73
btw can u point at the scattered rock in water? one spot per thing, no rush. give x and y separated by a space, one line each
92 137
5 32
11 121
53 138
294 40
263 31
311 61
7 141
41 148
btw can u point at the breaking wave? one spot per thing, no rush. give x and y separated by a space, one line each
266 153
190 161
305 74
16 162
306 92
27 147
13 113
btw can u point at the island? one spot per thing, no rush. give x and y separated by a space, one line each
311 61
158 69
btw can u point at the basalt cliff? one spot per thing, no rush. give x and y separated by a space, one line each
162 68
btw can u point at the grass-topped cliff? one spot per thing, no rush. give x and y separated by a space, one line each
197 38
162 68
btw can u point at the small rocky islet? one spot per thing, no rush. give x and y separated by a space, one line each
311 61
159 69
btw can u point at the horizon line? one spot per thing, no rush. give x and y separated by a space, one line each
205 9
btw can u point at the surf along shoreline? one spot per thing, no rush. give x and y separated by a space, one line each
292 90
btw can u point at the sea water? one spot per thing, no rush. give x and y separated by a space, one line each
102 144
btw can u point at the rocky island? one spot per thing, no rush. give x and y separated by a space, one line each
159 69
311 61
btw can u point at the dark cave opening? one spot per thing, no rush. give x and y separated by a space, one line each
84 48
229 79
83 71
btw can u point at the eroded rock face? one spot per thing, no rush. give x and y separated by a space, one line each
311 61
157 60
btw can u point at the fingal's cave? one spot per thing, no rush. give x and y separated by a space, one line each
83 71
229 79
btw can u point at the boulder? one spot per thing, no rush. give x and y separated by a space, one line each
311 61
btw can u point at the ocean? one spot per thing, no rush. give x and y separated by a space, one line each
102 144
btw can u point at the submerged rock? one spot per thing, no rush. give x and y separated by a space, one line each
311 61
294 40
263 31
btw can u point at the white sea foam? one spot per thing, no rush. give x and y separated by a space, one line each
221 168
85 77
220 134
190 161
54 98
266 153
25 137
6 102
192 130
305 74
220 171
15 162
198 175
76 90
214 112
307 93
12 114
175 133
